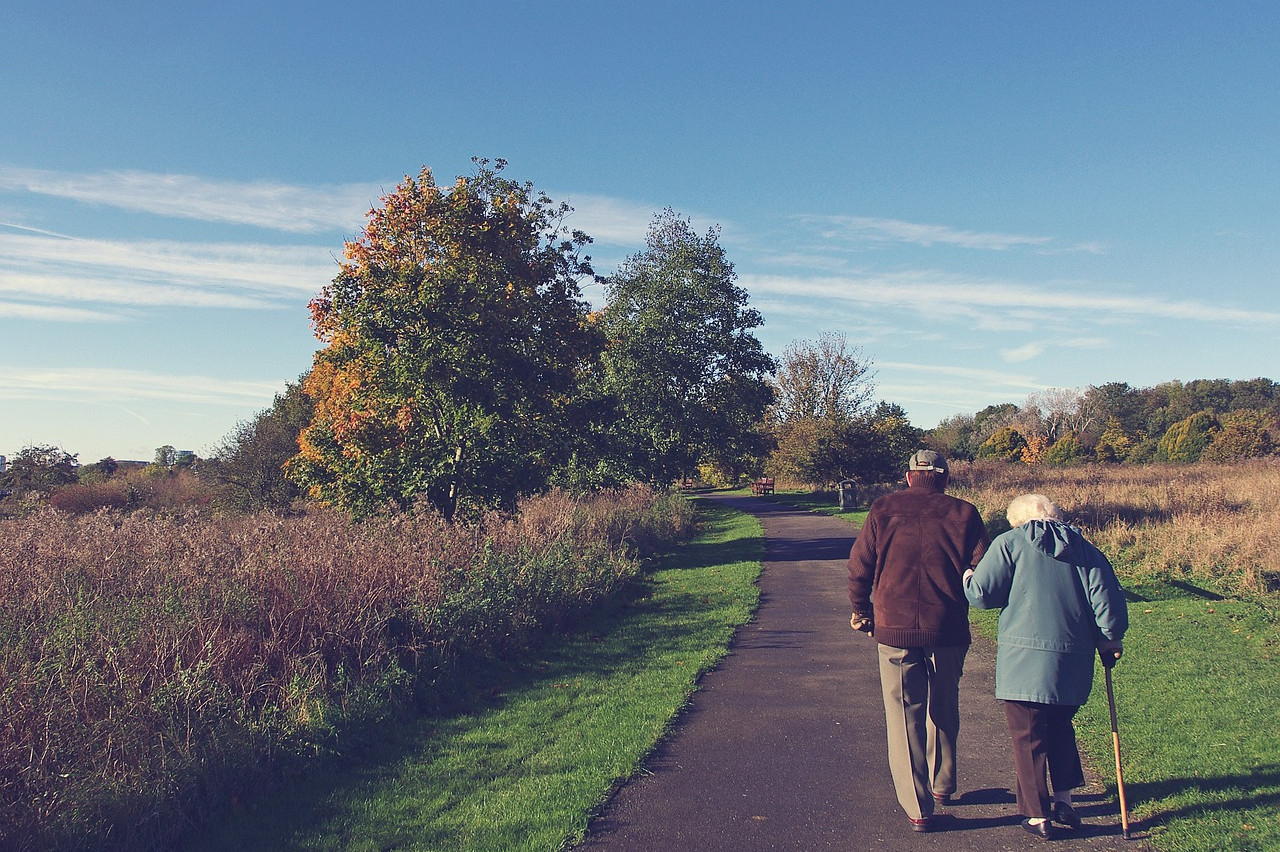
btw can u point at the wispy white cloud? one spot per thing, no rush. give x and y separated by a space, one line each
609 220
951 373
929 294
1026 352
896 230
48 267
263 204
89 384
53 313
56 288
939 388
1085 343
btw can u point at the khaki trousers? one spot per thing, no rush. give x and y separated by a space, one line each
921 689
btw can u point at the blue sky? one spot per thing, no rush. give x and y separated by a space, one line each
989 199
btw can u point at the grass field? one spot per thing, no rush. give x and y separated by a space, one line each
530 750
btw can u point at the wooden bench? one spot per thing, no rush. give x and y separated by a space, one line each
763 485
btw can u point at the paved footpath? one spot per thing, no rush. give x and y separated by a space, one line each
783 746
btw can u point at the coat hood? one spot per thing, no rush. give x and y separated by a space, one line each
1058 539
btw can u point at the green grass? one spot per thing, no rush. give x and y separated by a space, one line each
1198 705
818 502
526 753
1197 694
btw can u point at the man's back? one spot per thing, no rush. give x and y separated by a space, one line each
912 551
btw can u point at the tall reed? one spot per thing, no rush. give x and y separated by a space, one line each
1206 524
151 663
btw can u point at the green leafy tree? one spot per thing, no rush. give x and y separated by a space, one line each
990 420
884 440
1213 395
1255 395
1243 435
687 377
1006 444
100 471
1117 403
456 338
1186 440
1065 451
1116 444
39 467
249 464
810 449
953 437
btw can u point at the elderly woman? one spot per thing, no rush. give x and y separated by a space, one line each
1060 603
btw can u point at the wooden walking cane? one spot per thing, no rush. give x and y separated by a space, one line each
1115 739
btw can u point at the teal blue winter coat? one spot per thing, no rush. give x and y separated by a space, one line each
1059 598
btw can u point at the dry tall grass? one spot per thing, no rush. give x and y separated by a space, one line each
150 662
1211 525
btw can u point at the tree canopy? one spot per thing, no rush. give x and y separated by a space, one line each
686 375
249 464
822 378
455 339
824 425
39 467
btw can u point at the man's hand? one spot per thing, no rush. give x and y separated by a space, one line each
861 623
1110 651
968 572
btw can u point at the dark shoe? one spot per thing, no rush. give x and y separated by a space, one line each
1040 829
1064 814
922 824
942 798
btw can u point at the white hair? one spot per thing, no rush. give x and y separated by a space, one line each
1032 507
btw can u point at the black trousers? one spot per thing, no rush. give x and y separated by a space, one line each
1043 737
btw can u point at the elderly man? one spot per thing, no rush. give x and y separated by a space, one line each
906 573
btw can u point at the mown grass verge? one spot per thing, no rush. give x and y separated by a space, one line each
1198 715
526 753
818 502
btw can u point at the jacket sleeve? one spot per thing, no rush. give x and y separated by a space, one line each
1106 596
978 535
862 567
989 584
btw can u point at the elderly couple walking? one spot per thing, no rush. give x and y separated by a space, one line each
921 559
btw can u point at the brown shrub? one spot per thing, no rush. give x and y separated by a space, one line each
149 660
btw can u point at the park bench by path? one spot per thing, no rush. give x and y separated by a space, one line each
763 485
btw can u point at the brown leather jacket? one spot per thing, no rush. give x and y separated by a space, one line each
907 565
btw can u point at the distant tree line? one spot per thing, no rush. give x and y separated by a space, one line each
1216 420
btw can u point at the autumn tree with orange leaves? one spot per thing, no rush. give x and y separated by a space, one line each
456 337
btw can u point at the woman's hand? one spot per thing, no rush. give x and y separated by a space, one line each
1110 651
